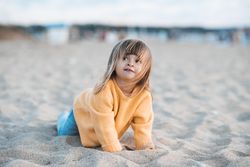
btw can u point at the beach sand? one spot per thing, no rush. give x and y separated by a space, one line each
201 97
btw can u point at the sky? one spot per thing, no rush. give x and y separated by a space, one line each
202 13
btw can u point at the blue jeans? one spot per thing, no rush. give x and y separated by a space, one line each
66 124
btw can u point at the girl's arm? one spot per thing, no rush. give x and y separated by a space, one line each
142 124
103 120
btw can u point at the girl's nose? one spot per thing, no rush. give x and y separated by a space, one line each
130 63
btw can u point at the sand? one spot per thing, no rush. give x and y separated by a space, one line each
201 104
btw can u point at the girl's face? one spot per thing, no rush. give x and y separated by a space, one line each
128 67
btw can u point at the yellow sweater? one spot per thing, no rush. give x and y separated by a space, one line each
103 118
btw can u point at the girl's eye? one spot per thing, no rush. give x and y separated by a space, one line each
125 58
137 61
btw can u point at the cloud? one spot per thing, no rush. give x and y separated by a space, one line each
209 13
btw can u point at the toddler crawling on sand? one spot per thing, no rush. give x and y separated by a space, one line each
102 115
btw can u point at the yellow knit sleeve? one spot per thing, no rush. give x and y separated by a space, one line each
102 116
142 124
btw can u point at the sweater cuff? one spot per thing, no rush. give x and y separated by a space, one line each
113 147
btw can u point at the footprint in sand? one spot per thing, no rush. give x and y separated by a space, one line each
243 117
212 139
223 135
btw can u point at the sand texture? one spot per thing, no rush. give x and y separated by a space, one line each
201 103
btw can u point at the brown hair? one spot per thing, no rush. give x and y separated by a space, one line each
122 48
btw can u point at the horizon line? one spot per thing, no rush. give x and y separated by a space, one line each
125 25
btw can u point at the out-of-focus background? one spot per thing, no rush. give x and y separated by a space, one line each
62 21
51 50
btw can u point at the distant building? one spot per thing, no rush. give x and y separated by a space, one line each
38 32
61 33
57 33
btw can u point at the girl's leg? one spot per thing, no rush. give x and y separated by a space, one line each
66 124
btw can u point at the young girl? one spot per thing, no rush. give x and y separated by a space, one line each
102 115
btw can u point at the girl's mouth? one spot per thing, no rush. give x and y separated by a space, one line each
128 70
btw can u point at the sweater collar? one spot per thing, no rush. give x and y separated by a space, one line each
134 93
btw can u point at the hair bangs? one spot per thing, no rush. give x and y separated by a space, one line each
136 48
